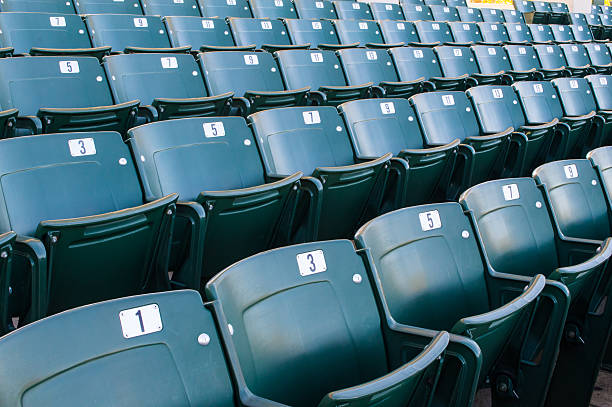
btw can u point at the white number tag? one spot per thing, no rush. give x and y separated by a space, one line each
513 13
251 59
446 10
69 66
371 55
574 48
570 171
573 83
387 108
522 51
140 321
519 28
401 26
603 81
82 146
311 262
311 117
493 27
278 3
57 21
319 4
550 50
466 27
230 2
497 93
316 25
493 12
511 192
418 8
470 11
363 25
457 52
448 100
580 28
540 28
388 7
214 129
430 220
491 51
141 22
418 53
169 62
435 26
209 24
597 47
316 57
266 25
537 88
179 1
355 6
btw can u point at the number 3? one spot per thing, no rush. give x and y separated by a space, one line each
313 266
82 145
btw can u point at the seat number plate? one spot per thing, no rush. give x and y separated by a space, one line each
387 108
251 59
316 57
430 220
214 129
169 62
57 21
69 66
363 26
448 100
209 24
497 93
418 53
401 26
141 22
140 321
603 81
316 25
82 146
457 52
573 84
371 55
311 262
570 171
266 25
511 192
537 88
311 117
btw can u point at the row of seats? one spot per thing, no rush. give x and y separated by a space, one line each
297 174
428 304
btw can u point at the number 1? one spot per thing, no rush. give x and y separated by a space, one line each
139 315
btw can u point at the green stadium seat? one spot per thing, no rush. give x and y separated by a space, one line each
416 12
541 33
528 6
338 192
456 3
513 16
469 14
107 7
560 12
199 32
603 98
273 9
170 8
214 166
519 33
419 173
543 8
519 237
595 25
7 244
75 201
386 11
494 33
253 77
47 34
492 15
263 33
577 59
225 8
578 18
129 33
463 297
398 31
456 61
465 33
352 10
147 350
600 58
39 6
361 32
582 33
434 32
169 86
493 59
524 58
61 94
317 33
315 9
267 308
444 13
562 33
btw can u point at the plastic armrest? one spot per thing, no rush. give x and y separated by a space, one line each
291 179
190 273
34 251
356 167
463 180
32 124
206 48
570 274
346 93
424 44
272 48
334 47
403 89
520 140
311 189
216 105
146 50
384 46
148 113
6 52
281 98
97 52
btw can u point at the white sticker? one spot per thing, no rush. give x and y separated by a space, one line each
511 192
448 100
418 8
457 52
387 108
169 62
497 93
446 10
179 1
278 3
316 25
230 2
573 83
208 24
580 28
140 321
570 171
435 26
493 12
141 22
311 117
491 51
311 263
430 220
251 59
540 28
266 25
537 88
371 55
513 13
550 50
388 7
466 27
470 11
214 129
355 6
519 28
574 48
561 28
493 27
401 26
69 66
603 81
82 146
316 57
418 53
363 25
319 4
57 21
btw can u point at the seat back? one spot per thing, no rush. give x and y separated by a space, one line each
578 18
492 15
108 7
469 14
312 68
154 346
600 85
524 6
28 84
258 31
313 32
606 20
575 95
126 30
395 31
367 65
444 13
522 57
542 6
513 16
170 8
197 31
581 32
415 62
352 10
550 56
358 31
386 11
268 298
599 54
239 72
315 9
465 32
433 31
146 77
39 6
456 61
491 59
562 33
494 32
378 127
558 7
576 197
603 9
539 101
601 158
541 32
273 9
575 55
416 12
593 19
519 32
22 31
496 107
225 8
456 3
444 117
514 225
